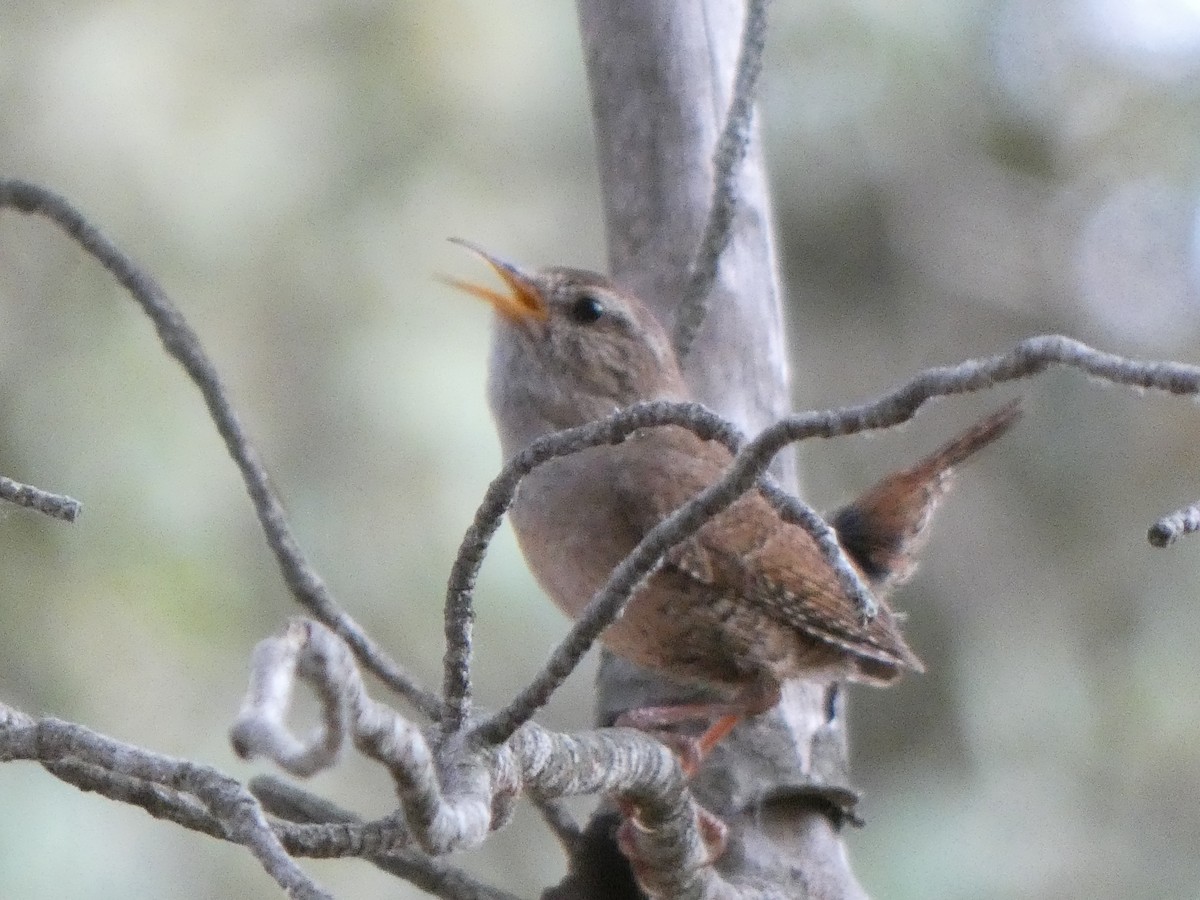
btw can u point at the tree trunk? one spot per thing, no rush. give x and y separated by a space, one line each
661 74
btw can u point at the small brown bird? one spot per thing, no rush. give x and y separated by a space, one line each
749 601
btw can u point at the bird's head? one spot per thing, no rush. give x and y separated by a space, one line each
569 347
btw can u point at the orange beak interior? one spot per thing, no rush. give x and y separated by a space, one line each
524 298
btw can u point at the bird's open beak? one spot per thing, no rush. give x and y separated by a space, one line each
524 300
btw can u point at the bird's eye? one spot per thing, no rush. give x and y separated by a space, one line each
585 309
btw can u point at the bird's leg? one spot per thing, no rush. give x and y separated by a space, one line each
721 718
753 699
690 749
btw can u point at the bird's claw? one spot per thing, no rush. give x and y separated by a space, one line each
714 835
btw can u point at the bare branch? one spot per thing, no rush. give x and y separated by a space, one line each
608 602
86 757
624 580
432 875
315 828
182 343
459 612
57 506
450 792
727 159
1028 358
159 801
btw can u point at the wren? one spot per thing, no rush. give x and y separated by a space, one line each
749 601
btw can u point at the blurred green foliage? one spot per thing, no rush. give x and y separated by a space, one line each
949 177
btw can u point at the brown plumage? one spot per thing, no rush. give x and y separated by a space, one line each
885 528
749 601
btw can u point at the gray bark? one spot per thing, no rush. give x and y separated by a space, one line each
660 74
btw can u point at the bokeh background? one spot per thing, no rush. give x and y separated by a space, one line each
950 177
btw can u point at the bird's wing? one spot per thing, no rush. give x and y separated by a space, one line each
749 550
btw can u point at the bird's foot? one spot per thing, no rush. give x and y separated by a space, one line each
719 720
714 836
691 750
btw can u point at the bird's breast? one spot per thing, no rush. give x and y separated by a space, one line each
571 527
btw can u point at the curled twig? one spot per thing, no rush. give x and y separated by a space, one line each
458 814
450 792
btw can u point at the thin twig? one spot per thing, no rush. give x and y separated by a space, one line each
261 726
1028 358
431 875
459 610
611 599
182 343
703 422
730 151
84 756
57 506
159 801
314 827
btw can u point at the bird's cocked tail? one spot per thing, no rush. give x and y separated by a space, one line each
884 529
